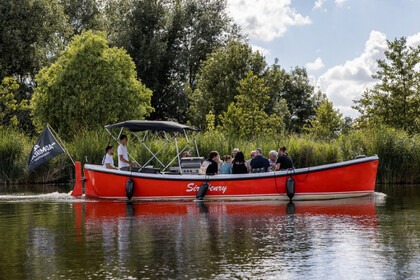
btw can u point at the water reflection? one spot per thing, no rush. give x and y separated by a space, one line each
224 239
56 236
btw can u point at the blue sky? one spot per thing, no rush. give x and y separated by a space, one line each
338 41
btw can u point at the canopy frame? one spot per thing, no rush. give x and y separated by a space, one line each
164 127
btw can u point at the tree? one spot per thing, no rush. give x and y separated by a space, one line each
246 116
10 107
395 100
31 35
219 78
301 99
89 85
168 40
84 15
327 123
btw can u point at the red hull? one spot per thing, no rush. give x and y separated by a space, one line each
341 180
361 210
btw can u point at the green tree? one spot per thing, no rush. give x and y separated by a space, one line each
168 40
9 105
246 116
89 85
395 100
84 14
219 78
32 33
301 99
328 122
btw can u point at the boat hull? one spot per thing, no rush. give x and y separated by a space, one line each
340 180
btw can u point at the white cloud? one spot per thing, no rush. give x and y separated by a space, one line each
260 49
347 82
340 3
319 4
316 65
265 19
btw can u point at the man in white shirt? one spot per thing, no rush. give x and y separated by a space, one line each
108 161
123 161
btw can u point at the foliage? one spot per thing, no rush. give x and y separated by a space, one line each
327 123
14 150
246 116
90 85
84 14
168 40
31 33
395 100
10 107
301 99
218 80
89 146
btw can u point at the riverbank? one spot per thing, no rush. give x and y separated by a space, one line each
399 152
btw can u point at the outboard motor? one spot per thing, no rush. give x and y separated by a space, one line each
290 188
129 188
202 191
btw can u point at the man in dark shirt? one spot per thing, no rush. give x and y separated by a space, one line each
283 161
259 162
213 167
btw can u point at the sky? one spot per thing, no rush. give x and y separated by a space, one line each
338 41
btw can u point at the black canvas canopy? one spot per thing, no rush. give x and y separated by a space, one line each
167 126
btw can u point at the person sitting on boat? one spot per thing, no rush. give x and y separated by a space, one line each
234 152
213 167
186 154
272 157
283 161
239 165
253 153
259 163
123 162
227 165
108 161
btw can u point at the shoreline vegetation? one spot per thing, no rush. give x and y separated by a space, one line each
399 153
79 65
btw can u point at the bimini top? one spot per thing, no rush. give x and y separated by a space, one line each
167 126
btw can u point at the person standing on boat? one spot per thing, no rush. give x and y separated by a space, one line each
123 162
213 167
259 163
108 161
283 161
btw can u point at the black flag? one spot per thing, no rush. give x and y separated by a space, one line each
46 148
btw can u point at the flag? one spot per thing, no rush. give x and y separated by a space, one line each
46 148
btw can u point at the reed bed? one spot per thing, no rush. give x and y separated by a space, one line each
399 152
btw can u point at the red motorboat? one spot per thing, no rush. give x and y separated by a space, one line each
353 178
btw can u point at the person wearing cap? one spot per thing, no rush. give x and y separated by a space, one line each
108 161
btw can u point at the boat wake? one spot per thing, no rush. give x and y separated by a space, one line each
24 197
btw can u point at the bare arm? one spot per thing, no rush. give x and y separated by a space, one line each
109 166
122 159
277 166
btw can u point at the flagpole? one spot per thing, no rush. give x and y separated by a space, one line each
61 142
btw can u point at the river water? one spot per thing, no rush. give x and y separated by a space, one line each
50 235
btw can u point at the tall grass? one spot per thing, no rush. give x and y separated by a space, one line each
14 150
399 153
